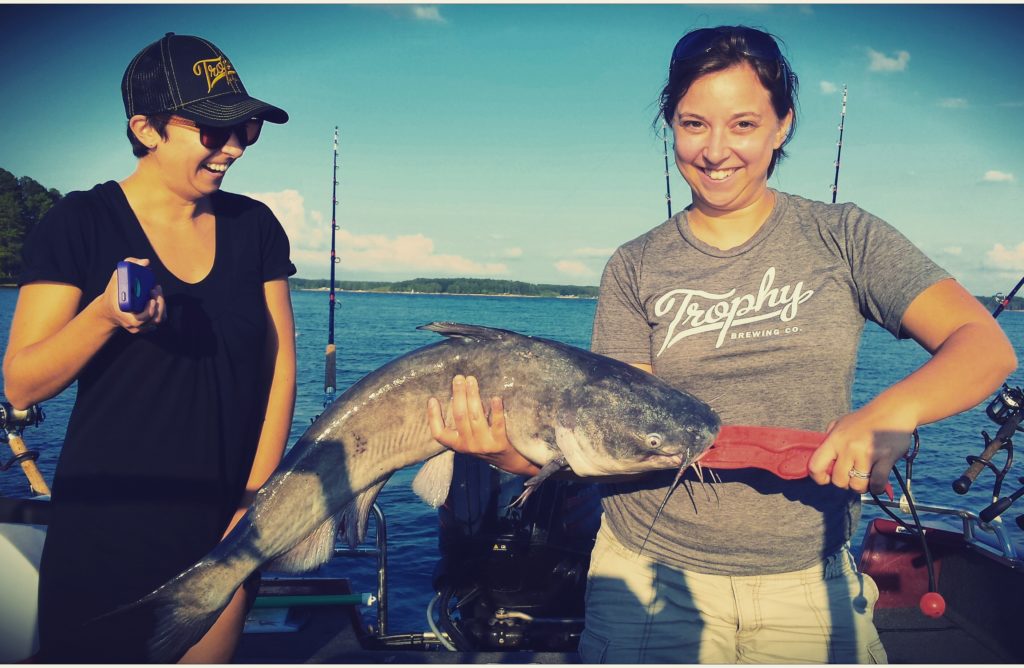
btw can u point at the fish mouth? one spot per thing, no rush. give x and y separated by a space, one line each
675 459
668 461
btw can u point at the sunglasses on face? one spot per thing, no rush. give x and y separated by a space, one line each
215 137
759 45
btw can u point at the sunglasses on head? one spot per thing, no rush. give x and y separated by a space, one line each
213 137
758 44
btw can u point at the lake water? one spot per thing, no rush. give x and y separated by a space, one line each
372 329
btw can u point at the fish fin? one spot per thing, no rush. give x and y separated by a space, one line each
355 515
311 552
463 331
531 485
435 478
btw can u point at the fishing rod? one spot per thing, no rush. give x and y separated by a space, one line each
1003 302
330 367
839 147
668 189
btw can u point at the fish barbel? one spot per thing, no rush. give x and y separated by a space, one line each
564 408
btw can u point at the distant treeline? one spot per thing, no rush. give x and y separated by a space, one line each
453 286
22 203
488 286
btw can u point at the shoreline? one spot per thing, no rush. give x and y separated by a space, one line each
14 286
445 294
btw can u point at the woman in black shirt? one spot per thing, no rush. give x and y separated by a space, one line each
183 409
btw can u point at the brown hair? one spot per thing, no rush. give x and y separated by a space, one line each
156 121
708 50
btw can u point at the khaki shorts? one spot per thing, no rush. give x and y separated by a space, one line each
640 611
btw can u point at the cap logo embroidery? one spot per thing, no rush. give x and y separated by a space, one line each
214 69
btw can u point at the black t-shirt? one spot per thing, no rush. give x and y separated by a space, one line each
165 425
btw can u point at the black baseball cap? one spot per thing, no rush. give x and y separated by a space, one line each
190 77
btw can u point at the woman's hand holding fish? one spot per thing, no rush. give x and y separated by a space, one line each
861 449
472 432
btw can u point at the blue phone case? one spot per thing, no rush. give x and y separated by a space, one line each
133 285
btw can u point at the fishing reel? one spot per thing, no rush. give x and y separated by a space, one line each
16 419
12 422
1006 406
1006 410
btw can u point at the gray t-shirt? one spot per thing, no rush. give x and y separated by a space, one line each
767 333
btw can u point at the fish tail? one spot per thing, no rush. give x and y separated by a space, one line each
177 627
182 611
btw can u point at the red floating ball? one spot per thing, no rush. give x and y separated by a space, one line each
933 605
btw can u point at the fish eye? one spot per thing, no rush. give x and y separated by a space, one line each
653 440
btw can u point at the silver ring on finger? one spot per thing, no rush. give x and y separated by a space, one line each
861 475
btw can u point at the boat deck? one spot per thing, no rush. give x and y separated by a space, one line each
336 634
910 637
984 596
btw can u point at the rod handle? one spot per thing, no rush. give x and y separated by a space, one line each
963 484
35 478
999 507
330 369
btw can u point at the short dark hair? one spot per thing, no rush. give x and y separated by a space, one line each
158 122
724 47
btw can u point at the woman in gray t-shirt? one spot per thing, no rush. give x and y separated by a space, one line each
754 300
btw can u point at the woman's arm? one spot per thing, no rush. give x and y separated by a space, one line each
971 357
51 341
279 360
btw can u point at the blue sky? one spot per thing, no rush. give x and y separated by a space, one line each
515 141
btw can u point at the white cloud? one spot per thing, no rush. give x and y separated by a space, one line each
883 63
310 241
1011 259
827 87
574 268
290 208
953 250
380 253
426 13
512 252
995 176
603 253
953 103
